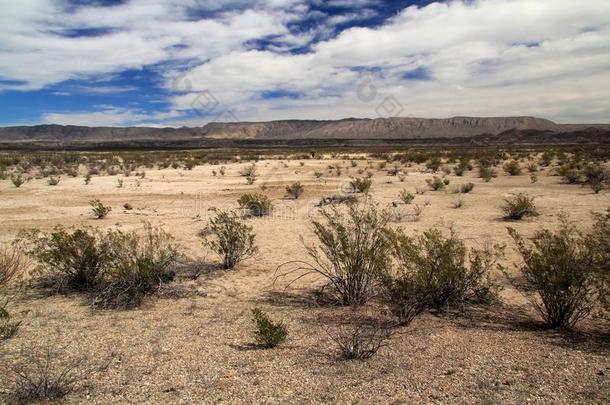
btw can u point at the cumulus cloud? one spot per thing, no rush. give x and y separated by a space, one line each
549 58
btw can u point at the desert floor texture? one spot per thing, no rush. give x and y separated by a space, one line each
193 342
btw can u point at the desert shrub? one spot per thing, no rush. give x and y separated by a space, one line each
512 168
466 188
99 210
17 180
547 158
406 197
598 245
458 203
268 333
53 181
596 176
353 250
558 267
136 266
248 171
295 190
12 266
487 173
519 206
257 204
569 173
231 239
434 164
73 260
47 375
360 185
533 178
361 341
435 271
436 183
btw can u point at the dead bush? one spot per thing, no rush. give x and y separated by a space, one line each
360 341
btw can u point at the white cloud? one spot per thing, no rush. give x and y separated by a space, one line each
549 58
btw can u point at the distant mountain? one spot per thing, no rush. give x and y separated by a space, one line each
294 130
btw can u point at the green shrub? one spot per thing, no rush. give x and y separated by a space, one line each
596 176
466 188
295 190
17 180
232 240
434 164
360 185
353 250
406 197
487 173
519 206
73 260
53 181
99 210
257 204
268 333
437 272
436 183
558 267
136 266
512 168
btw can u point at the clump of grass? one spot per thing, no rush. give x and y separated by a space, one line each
268 334
100 211
295 190
256 204
519 206
230 238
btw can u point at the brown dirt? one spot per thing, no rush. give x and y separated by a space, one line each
197 348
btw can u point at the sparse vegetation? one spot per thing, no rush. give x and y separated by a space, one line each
559 267
436 183
99 210
519 206
230 238
361 341
406 197
295 190
268 334
353 250
466 188
360 185
257 204
512 168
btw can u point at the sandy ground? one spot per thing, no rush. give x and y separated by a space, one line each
197 348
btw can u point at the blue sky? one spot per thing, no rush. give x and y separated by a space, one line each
189 62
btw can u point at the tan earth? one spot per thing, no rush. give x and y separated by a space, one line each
196 347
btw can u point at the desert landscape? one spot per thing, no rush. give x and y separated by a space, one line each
192 339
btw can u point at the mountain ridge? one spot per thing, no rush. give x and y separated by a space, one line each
406 128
